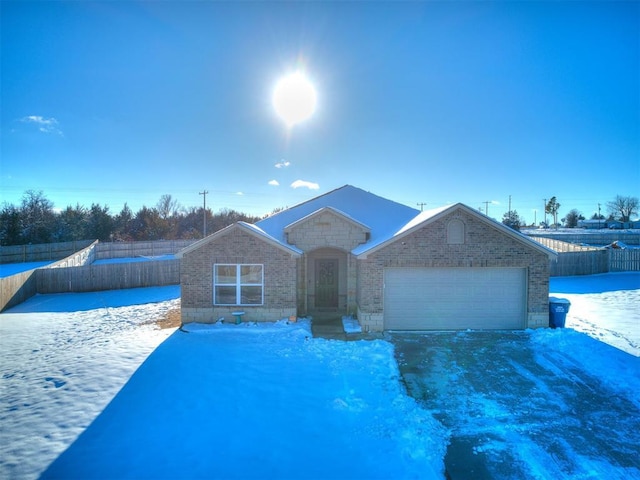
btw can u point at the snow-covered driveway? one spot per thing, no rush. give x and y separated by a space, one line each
528 404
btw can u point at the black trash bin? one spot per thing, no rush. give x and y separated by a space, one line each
558 309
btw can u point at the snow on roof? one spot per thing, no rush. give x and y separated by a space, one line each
247 226
429 215
270 238
422 217
384 217
330 209
413 222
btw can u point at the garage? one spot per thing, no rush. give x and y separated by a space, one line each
454 298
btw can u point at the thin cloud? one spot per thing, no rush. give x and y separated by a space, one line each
45 125
282 164
275 183
240 193
305 184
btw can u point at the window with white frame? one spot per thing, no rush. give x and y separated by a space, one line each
238 284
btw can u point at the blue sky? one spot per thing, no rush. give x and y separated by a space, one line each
436 102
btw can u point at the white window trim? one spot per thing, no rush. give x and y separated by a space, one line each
238 284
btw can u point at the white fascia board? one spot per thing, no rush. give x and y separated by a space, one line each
249 228
333 210
427 217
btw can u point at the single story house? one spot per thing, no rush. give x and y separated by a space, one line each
352 252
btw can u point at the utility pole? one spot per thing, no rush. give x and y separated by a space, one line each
599 216
204 212
509 203
421 204
544 209
486 207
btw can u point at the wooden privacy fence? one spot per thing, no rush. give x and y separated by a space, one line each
76 274
111 276
139 249
630 237
561 247
586 260
627 260
41 252
580 263
17 288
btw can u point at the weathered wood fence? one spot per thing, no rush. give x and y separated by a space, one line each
630 237
627 260
17 288
585 260
139 249
41 252
113 276
76 274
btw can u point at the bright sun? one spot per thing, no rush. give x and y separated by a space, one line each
294 98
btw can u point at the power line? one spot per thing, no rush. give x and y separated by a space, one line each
204 212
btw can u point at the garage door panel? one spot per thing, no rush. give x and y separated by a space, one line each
454 298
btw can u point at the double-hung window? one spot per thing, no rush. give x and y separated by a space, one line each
238 284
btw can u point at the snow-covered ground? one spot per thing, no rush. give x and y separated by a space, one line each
8 269
106 261
605 307
64 357
243 401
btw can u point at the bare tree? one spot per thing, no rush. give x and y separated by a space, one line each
37 217
623 206
167 206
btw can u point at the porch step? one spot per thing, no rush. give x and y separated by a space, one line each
328 326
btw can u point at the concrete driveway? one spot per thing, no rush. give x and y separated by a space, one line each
519 411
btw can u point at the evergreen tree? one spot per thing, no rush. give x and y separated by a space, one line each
512 219
99 223
71 224
10 226
571 220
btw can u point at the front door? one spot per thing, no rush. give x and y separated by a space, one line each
326 273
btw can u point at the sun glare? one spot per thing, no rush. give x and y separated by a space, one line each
294 98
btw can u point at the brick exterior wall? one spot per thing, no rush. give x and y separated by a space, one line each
485 246
314 235
237 246
326 229
288 279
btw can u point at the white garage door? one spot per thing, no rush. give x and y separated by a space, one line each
454 298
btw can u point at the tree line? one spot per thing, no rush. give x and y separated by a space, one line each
36 221
621 208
